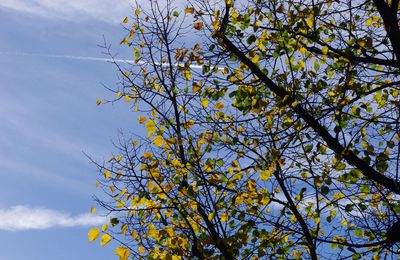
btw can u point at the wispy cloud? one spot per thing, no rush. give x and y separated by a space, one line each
89 58
109 11
19 218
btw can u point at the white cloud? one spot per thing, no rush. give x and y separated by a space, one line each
88 58
106 10
19 218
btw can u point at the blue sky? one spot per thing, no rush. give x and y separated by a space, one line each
48 118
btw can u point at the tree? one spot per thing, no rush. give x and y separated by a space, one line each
274 135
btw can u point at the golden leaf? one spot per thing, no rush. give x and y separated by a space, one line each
93 234
105 239
158 140
122 252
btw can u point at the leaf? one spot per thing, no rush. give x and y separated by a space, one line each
158 140
151 127
105 239
92 210
107 174
266 174
98 102
196 87
186 74
324 50
125 20
114 222
142 119
147 155
104 227
137 12
124 228
122 252
198 25
219 105
310 22
204 103
224 217
189 10
124 41
93 234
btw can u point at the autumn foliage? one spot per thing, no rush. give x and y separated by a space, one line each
272 131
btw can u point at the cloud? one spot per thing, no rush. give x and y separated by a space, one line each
20 218
111 11
88 58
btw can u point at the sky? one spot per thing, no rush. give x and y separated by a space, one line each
51 74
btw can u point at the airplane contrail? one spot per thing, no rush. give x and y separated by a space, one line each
89 58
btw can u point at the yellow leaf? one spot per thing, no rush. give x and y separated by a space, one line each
137 12
224 217
151 127
125 20
105 239
150 185
158 140
124 228
93 234
187 75
368 22
122 252
147 155
219 105
288 121
196 87
142 119
344 223
303 50
189 10
98 102
204 102
211 216
301 64
266 174
325 50
107 174
255 59
127 98
310 22
141 249
361 43
104 227
120 203
92 210
119 158
124 41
